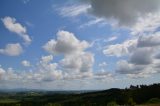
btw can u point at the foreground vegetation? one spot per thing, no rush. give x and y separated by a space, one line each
142 95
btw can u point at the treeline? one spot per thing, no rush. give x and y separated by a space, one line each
140 94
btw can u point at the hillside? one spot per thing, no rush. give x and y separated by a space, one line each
140 94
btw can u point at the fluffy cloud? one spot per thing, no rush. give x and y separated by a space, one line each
77 62
147 24
66 43
44 71
12 49
25 63
126 12
120 49
13 26
2 71
102 75
9 75
46 59
129 46
47 71
142 61
141 56
149 40
133 70
124 67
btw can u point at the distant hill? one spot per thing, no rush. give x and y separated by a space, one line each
140 94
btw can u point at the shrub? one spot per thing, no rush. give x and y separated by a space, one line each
112 103
131 102
154 100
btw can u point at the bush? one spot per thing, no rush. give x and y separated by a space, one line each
53 104
112 103
154 100
131 102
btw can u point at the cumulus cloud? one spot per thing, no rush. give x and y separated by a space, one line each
66 43
12 49
9 75
147 24
129 46
48 70
77 63
2 71
103 75
43 71
124 67
150 40
135 70
126 12
13 26
142 61
25 63
46 59
120 49
141 56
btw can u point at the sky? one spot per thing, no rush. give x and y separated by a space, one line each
79 45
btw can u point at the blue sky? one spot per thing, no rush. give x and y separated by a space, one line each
64 45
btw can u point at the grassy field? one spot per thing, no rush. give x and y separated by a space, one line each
8 101
150 105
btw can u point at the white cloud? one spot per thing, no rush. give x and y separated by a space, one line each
103 75
120 49
142 62
2 72
9 75
147 24
99 21
149 40
47 70
25 1
103 64
66 43
26 63
12 49
13 26
44 71
141 56
46 59
73 10
135 70
77 63
112 38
